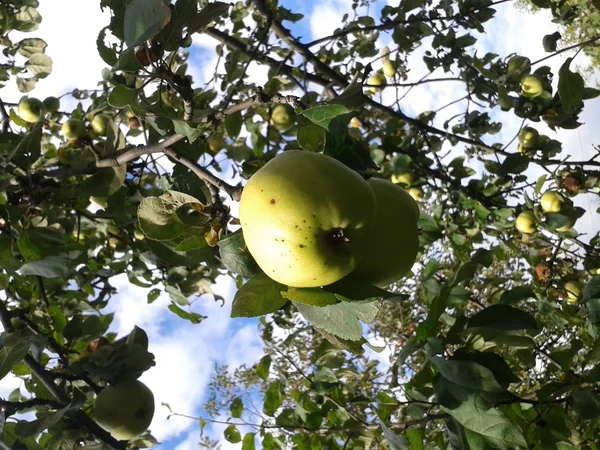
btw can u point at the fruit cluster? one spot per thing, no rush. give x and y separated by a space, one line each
554 205
309 221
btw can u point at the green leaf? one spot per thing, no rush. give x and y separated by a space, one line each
191 243
236 257
158 215
355 347
29 149
40 65
408 349
311 136
495 363
262 368
185 129
459 381
232 434
233 124
395 441
310 296
260 295
191 316
14 348
503 317
153 295
514 163
128 62
325 375
349 288
491 425
570 87
515 295
236 408
207 15
274 397
105 182
29 47
586 404
550 40
341 319
107 54
144 19
122 96
248 443
50 267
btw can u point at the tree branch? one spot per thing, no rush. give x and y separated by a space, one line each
31 404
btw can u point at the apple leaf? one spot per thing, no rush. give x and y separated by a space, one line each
29 47
144 19
107 54
311 136
50 267
122 96
14 348
342 319
187 315
206 16
158 215
259 296
515 295
236 257
310 296
40 65
394 441
105 182
586 404
233 124
570 87
503 317
232 434
491 426
550 41
128 62
29 149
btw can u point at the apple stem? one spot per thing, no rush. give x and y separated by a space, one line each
337 237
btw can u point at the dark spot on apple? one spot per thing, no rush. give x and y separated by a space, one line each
304 221
272 201
301 246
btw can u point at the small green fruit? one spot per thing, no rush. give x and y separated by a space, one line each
518 66
416 193
532 86
552 202
376 82
31 109
526 222
404 178
215 142
282 117
528 137
125 410
574 290
52 104
73 129
100 123
388 69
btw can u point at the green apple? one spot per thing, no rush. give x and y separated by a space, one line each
394 239
52 104
100 123
528 137
571 214
552 201
574 290
100 201
73 129
404 178
416 193
282 117
526 222
125 409
355 123
305 218
532 86
215 142
376 82
518 66
31 109
389 70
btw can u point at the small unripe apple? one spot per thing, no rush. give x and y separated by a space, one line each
532 86
376 82
31 109
52 104
518 66
73 129
215 142
528 137
100 123
416 193
388 69
526 222
282 117
574 290
404 178
354 123
552 201
133 122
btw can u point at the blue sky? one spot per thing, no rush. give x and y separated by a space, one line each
186 354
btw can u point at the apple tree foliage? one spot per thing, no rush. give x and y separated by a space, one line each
487 349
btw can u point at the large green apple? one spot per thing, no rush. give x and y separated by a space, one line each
552 201
125 409
526 222
100 123
394 240
306 217
31 109
532 86
282 117
73 129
